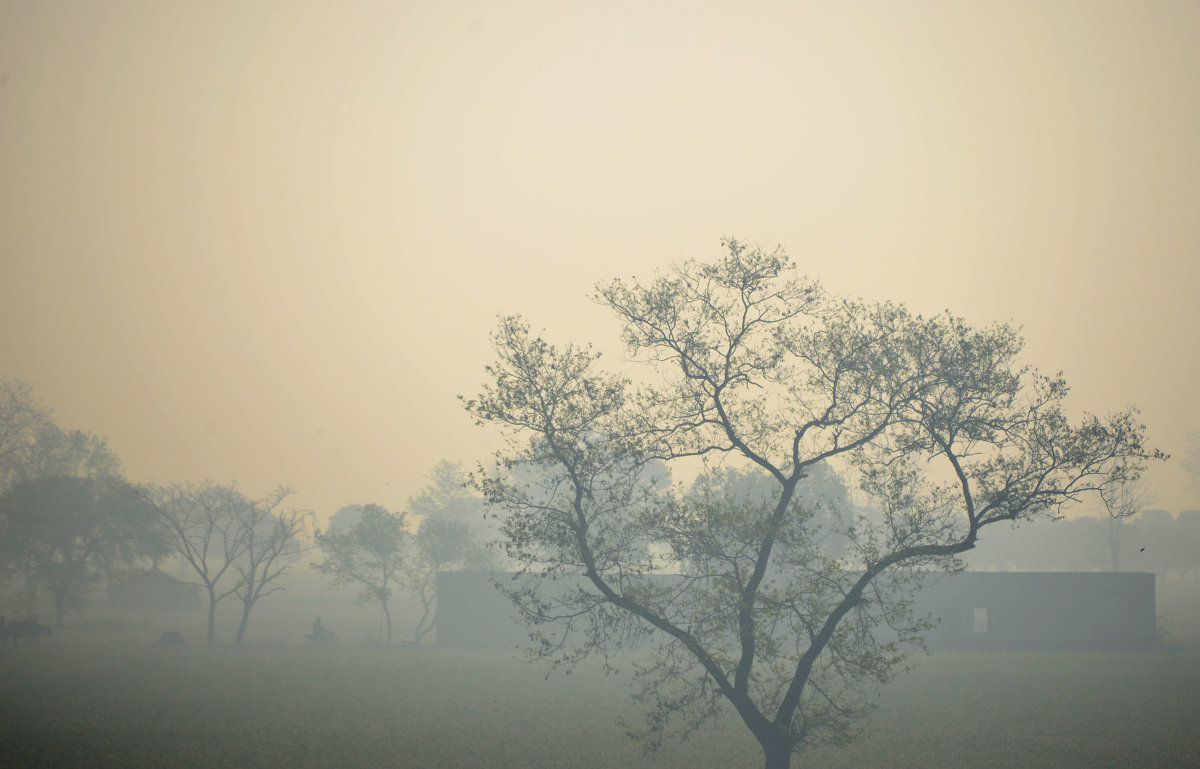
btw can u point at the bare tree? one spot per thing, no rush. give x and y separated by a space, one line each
204 523
233 544
271 542
941 425
1123 499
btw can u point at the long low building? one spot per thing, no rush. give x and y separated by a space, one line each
1026 610
976 610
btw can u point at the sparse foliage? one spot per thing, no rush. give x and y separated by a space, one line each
1122 500
272 542
938 422
233 544
33 446
372 553
452 536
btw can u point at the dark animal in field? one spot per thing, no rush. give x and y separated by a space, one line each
30 630
170 638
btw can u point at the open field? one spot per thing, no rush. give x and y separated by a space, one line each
97 702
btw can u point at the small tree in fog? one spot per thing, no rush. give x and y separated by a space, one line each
1122 500
272 542
233 544
371 553
940 424
452 536
203 520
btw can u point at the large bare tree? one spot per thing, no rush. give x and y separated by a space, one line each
938 421
233 544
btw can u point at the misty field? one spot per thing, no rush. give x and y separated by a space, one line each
109 701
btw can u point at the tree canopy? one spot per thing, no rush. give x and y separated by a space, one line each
454 535
371 552
936 421
233 544
68 533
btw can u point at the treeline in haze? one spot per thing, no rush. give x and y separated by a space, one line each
72 527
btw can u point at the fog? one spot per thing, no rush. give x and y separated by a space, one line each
261 246
267 242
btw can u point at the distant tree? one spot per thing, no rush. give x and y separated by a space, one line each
1191 459
944 430
1185 552
68 533
22 419
345 518
1123 499
272 540
33 446
233 544
453 536
372 553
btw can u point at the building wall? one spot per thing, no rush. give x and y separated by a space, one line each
1103 610
977 610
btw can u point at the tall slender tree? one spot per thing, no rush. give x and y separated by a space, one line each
272 541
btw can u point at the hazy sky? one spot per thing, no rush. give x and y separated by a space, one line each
266 241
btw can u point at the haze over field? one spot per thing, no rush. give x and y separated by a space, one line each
266 242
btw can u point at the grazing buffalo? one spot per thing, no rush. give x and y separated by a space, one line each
170 638
31 630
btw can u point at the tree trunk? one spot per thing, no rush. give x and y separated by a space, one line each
387 615
778 756
1114 543
241 631
422 627
59 608
212 618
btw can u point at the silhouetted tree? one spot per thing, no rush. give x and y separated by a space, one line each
33 446
22 419
372 553
69 533
233 544
944 430
453 536
272 542
1122 499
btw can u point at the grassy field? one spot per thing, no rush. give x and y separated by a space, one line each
102 702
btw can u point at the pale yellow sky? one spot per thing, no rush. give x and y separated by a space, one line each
266 242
